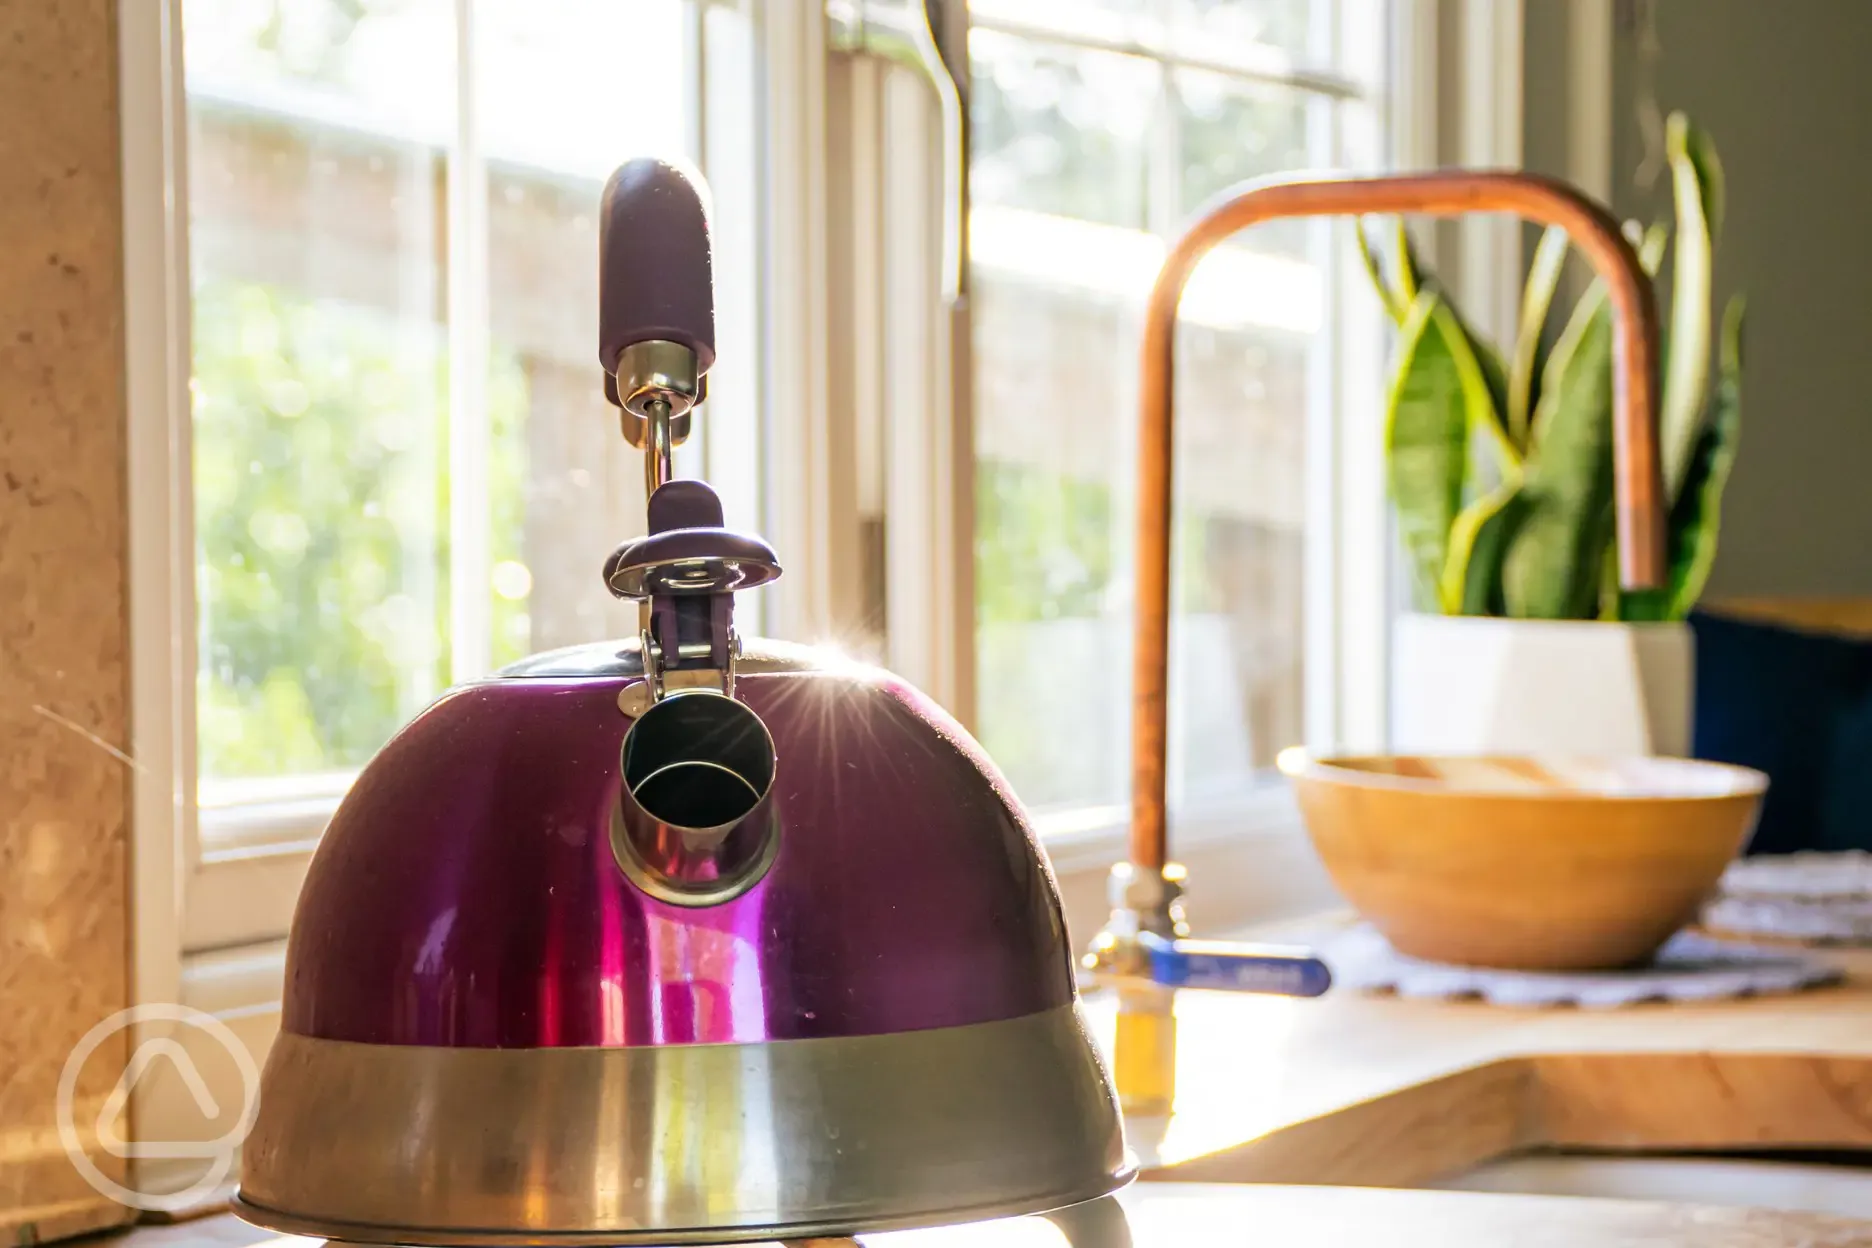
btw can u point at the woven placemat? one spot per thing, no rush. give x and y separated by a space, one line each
1808 876
1822 898
1847 921
1688 968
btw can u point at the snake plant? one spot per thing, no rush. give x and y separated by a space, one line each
1500 467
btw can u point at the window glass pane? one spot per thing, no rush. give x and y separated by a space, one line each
1138 21
1227 30
1052 502
1242 407
384 62
564 488
1215 31
322 138
1059 284
1059 182
1060 130
555 93
1229 131
316 193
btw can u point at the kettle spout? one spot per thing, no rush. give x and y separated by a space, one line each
695 824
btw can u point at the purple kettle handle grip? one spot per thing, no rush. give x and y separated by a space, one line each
655 270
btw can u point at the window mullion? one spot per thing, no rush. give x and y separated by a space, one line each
1323 535
729 426
469 428
691 457
1325 24
1164 206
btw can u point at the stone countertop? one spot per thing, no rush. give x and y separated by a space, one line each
1367 1092
1176 1215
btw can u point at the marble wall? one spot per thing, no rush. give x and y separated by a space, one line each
64 664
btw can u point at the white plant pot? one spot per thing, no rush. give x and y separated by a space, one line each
1474 685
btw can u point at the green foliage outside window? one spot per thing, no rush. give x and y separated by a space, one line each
321 514
1045 544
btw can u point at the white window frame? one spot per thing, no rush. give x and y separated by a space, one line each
167 867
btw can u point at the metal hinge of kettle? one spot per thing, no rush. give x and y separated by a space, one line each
656 343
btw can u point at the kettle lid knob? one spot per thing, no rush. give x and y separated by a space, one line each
688 551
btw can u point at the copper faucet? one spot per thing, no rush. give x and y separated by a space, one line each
1145 890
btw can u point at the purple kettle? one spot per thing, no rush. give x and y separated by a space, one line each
679 939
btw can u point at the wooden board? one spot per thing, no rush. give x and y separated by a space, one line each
1371 1090
1194 1216
1840 617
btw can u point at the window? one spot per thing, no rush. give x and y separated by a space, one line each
387 465
377 461
1098 130
404 472
370 457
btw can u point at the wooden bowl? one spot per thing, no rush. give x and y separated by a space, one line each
1529 863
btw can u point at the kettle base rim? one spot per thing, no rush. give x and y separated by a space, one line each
703 1237
458 1147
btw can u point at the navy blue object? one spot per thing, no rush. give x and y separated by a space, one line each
1235 967
1798 706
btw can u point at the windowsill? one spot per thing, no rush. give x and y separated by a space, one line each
242 820
1248 859
253 860
1079 838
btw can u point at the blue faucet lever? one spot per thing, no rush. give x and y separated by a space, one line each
1235 967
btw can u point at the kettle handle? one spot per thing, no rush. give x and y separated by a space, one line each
656 274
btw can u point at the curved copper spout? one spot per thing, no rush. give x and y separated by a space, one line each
1443 194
